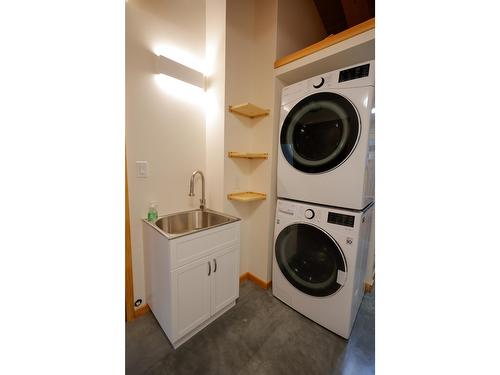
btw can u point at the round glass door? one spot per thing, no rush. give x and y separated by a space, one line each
320 132
310 259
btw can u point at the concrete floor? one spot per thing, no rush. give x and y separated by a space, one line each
260 335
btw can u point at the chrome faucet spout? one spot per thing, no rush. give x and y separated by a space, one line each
191 188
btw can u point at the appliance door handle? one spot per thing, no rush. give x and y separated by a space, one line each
215 265
209 268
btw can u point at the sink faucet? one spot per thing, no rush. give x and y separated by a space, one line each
203 202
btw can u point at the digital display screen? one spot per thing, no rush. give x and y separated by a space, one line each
354 73
340 219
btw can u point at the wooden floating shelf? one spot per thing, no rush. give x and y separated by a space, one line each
246 196
327 42
248 155
249 110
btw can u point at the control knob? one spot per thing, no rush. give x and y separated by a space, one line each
319 83
309 214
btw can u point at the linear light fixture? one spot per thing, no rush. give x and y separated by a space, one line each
172 68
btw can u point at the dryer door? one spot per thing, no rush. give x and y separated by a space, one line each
320 132
310 259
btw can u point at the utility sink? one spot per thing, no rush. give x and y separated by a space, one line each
192 269
183 223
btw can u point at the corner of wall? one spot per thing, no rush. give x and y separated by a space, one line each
215 47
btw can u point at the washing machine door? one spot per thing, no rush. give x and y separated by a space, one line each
320 132
310 259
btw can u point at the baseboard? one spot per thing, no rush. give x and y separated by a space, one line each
249 276
369 286
141 311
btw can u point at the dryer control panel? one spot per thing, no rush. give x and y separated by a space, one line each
354 73
359 75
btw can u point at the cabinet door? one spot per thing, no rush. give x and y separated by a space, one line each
191 295
225 278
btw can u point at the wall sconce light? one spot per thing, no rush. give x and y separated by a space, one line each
171 68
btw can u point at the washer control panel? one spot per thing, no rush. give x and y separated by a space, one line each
341 219
309 214
290 211
287 209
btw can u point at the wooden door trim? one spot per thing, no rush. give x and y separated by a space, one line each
129 280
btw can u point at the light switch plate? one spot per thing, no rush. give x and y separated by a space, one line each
142 169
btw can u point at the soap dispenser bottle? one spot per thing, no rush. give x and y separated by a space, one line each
153 211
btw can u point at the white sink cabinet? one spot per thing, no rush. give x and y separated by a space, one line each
191 280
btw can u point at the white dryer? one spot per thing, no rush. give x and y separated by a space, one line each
319 261
327 138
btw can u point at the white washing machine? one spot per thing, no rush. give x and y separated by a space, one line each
319 261
327 138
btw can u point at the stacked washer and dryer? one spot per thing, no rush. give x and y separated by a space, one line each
326 167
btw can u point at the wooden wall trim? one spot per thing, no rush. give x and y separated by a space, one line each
142 310
368 287
249 276
129 281
327 42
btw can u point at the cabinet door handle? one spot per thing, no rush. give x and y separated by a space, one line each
215 265
209 268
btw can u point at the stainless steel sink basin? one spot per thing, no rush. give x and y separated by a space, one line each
182 223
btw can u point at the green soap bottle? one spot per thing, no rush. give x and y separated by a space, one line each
152 212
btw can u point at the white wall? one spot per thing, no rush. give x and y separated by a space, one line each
164 127
238 129
264 136
250 54
299 25
215 44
